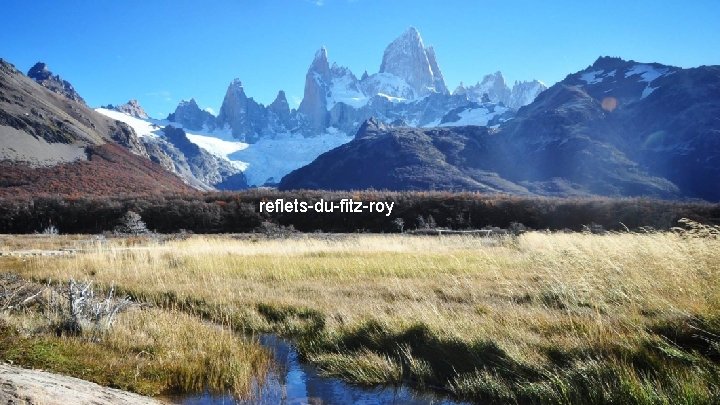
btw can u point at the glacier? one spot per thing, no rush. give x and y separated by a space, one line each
263 162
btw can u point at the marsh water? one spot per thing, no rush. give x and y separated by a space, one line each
292 382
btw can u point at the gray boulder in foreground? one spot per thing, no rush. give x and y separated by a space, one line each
23 386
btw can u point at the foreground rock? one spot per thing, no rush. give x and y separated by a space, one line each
22 386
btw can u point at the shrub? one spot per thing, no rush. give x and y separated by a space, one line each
399 224
131 223
50 230
82 312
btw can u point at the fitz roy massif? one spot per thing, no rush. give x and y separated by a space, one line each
616 128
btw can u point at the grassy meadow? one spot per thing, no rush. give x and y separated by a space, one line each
538 318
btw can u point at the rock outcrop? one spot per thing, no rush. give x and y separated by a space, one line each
314 103
246 118
23 386
190 116
133 109
41 74
194 162
280 109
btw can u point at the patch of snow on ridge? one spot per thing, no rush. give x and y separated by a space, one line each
391 98
216 146
141 127
342 91
594 77
475 116
647 91
390 85
218 143
646 72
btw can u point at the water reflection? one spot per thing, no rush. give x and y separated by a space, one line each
294 383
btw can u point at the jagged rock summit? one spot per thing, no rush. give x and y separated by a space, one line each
317 88
408 59
281 109
192 117
133 109
246 117
493 88
42 75
409 87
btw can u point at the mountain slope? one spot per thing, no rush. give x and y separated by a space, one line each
664 119
467 158
617 128
108 169
173 149
51 143
46 120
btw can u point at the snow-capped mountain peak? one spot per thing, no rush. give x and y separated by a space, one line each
524 93
320 64
321 54
409 89
280 99
313 108
460 90
246 117
344 87
494 89
408 59
236 85
190 102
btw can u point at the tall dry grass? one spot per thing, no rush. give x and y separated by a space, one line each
555 318
149 351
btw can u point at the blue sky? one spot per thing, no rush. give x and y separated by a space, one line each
163 51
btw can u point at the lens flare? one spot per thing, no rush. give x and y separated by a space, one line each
609 104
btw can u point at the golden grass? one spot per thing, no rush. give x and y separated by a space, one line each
542 278
11 243
149 351
541 300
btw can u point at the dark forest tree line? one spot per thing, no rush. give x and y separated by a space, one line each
239 212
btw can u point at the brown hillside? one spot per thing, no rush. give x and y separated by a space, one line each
54 145
109 170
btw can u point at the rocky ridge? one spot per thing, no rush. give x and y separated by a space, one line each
41 74
408 87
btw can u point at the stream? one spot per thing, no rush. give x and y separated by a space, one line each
291 382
